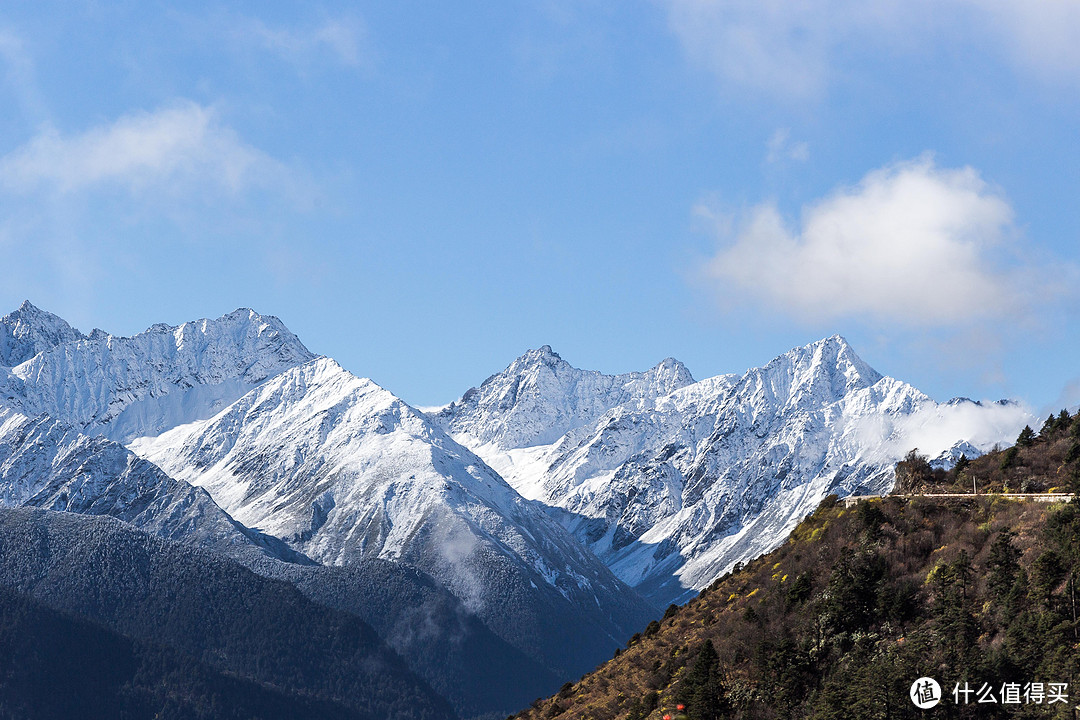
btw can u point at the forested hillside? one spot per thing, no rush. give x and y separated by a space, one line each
177 621
863 600
54 666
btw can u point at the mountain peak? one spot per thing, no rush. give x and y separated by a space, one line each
542 355
540 396
30 330
25 311
672 372
833 356
243 313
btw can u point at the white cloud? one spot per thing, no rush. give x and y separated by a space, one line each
937 428
911 244
344 39
177 145
792 48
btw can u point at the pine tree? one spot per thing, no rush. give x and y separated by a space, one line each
1010 457
961 464
702 688
1073 453
1026 437
1004 566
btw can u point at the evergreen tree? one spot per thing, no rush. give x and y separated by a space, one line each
1073 453
1026 437
702 688
1047 572
851 597
1004 566
1010 457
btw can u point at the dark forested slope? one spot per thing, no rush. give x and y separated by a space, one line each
53 665
210 609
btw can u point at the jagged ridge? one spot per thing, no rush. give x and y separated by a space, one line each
127 387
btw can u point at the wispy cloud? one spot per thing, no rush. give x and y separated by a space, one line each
1040 35
344 40
1069 396
781 147
17 68
176 146
778 47
934 429
794 48
911 245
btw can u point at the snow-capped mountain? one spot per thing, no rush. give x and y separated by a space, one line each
343 470
27 331
536 499
47 465
671 489
308 454
127 387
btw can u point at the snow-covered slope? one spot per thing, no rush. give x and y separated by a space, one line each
343 470
671 490
127 387
44 464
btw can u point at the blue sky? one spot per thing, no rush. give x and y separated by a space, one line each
425 191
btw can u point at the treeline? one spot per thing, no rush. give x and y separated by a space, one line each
858 604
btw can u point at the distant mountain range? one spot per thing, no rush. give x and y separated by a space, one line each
521 533
671 482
